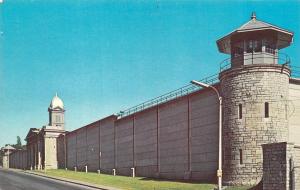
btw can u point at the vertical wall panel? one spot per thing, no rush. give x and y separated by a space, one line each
173 138
204 135
93 147
145 140
107 144
124 145
61 151
71 150
81 149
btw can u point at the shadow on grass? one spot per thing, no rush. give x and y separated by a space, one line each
259 186
181 181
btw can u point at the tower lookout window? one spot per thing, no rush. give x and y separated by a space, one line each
253 46
266 109
241 156
240 111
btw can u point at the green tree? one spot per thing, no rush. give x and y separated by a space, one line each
19 142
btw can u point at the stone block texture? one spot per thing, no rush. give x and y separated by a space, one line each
293 112
281 163
251 87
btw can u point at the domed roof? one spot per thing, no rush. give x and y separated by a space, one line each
56 103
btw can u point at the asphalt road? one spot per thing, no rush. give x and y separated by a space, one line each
14 180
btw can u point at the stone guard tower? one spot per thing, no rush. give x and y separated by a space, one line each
7 151
254 85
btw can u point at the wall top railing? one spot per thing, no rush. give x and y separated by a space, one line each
188 89
278 58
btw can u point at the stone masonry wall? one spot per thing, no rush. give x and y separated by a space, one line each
281 166
275 166
251 87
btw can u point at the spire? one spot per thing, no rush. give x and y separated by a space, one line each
56 94
253 16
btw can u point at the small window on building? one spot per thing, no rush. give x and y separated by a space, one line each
266 109
57 118
241 156
286 111
240 111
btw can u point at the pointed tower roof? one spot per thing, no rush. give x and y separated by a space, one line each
284 37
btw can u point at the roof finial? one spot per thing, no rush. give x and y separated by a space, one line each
253 16
56 94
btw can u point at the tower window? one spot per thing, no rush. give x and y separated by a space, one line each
241 156
266 109
254 46
286 111
57 118
240 111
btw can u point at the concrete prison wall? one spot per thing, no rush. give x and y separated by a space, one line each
18 159
175 140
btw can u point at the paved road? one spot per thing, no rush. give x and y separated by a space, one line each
14 180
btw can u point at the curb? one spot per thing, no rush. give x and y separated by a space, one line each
72 181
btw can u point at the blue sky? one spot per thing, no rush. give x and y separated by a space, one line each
105 56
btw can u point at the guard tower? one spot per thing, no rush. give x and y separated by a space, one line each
7 151
56 112
254 85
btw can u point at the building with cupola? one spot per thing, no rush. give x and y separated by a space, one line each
176 135
42 142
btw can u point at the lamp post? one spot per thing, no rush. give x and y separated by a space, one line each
219 171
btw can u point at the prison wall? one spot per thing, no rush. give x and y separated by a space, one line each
281 162
174 140
18 159
107 144
146 143
204 118
71 150
92 135
293 113
61 151
124 145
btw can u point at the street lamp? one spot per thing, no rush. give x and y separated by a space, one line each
219 171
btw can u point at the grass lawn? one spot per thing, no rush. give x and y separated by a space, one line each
129 183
